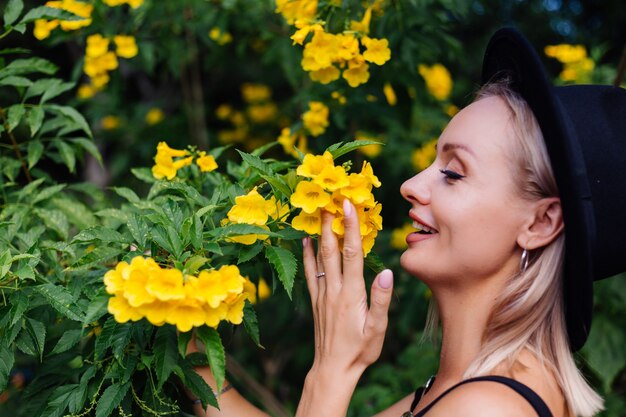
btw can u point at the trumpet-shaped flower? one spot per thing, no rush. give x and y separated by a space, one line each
115 279
363 25
438 80
312 165
293 10
309 223
377 51
309 196
332 178
122 311
213 316
359 190
368 173
357 72
249 209
206 162
164 149
390 94
185 314
276 209
166 285
97 45
325 75
316 118
135 290
125 46
156 312
43 28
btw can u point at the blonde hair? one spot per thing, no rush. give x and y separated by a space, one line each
529 314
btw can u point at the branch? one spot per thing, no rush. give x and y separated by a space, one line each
16 147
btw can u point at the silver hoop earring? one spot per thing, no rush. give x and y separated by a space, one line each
523 263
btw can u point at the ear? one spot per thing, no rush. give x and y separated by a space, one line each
545 224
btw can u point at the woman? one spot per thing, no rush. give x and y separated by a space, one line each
512 289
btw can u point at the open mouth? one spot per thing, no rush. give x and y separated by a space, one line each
423 229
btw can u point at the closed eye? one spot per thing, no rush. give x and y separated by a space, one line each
451 174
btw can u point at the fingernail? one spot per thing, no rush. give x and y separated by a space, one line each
347 208
385 279
305 241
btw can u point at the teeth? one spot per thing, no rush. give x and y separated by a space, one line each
421 227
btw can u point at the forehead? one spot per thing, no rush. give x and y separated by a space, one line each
483 126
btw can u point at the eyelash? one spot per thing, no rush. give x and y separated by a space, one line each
451 175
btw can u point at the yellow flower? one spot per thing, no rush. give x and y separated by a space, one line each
316 118
262 113
76 7
164 149
303 30
424 156
377 50
94 66
312 165
368 172
309 196
320 52
121 310
325 75
234 313
135 286
164 168
390 95
115 279
359 190
249 209
566 53
132 3
368 242
357 72
332 178
125 46
253 93
438 80
86 91
309 223
263 290
186 313
206 162
336 202
362 26
215 315
451 110
43 28
166 285
156 312
339 97
154 116
110 122
276 209
371 151
398 236
222 38
348 47
97 45
223 111
249 291
293 10
213 287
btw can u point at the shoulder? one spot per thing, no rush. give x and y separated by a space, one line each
483 399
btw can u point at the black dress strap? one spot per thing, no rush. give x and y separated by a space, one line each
529 395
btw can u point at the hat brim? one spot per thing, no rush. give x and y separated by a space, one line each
509 54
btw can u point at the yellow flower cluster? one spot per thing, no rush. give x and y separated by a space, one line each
290 140
328 186
166 167
154 116
142 288
44 27
99 60
398 236
221 38
424 156
254 209
577 66
316 118
328 56
132 3
438 80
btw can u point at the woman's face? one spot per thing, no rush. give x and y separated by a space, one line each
468 200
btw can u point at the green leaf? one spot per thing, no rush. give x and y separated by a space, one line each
16 81
605 349
98 256
144 174
111 398
34 151
165 353
373 262
262 149
197 385
139 230
69 339
342 148
257 163
55 220
46 193
7 358
66 152
47 88
5 262
194 263
73 115
126 193
96 309
251 323
89 146
61 300
278 184
248 252
99 233
214 352
12 11
54 90
58 400
37 332
28 66
114 335
14 115
19 304
77 213
284 262
183 341
44 12
34 118
239 229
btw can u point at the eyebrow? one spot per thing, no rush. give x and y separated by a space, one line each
451 146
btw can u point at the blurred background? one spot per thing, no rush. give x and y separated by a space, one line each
209 73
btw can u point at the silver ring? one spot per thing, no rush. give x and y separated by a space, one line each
320 274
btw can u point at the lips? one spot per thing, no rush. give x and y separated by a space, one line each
424 230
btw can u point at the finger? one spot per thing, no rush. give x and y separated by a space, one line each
380 299
310 269
330 256
352 249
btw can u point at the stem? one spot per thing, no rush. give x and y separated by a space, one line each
621 69
16 147
6 33
268 400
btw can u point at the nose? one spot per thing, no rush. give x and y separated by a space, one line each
416 190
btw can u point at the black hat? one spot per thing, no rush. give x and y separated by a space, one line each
584 128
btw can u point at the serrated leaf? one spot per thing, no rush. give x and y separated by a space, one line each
284 262
114 335
605 349
45 12
239 229
373 262
194 263
69 339
278 184
197 385
73 115
251 324
89 146
126 193
46 193
34 151
19 304
34 118
98 256
7 359
76 212
215 353
37 332
256 163
96 309
248 252
61 300
67 154
14 115
139 230
111 398
55 220
144 174
99 233
183 341
262 149
55 90
342 148
16 81
28 66
47 87
12 11
5 262
165 353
